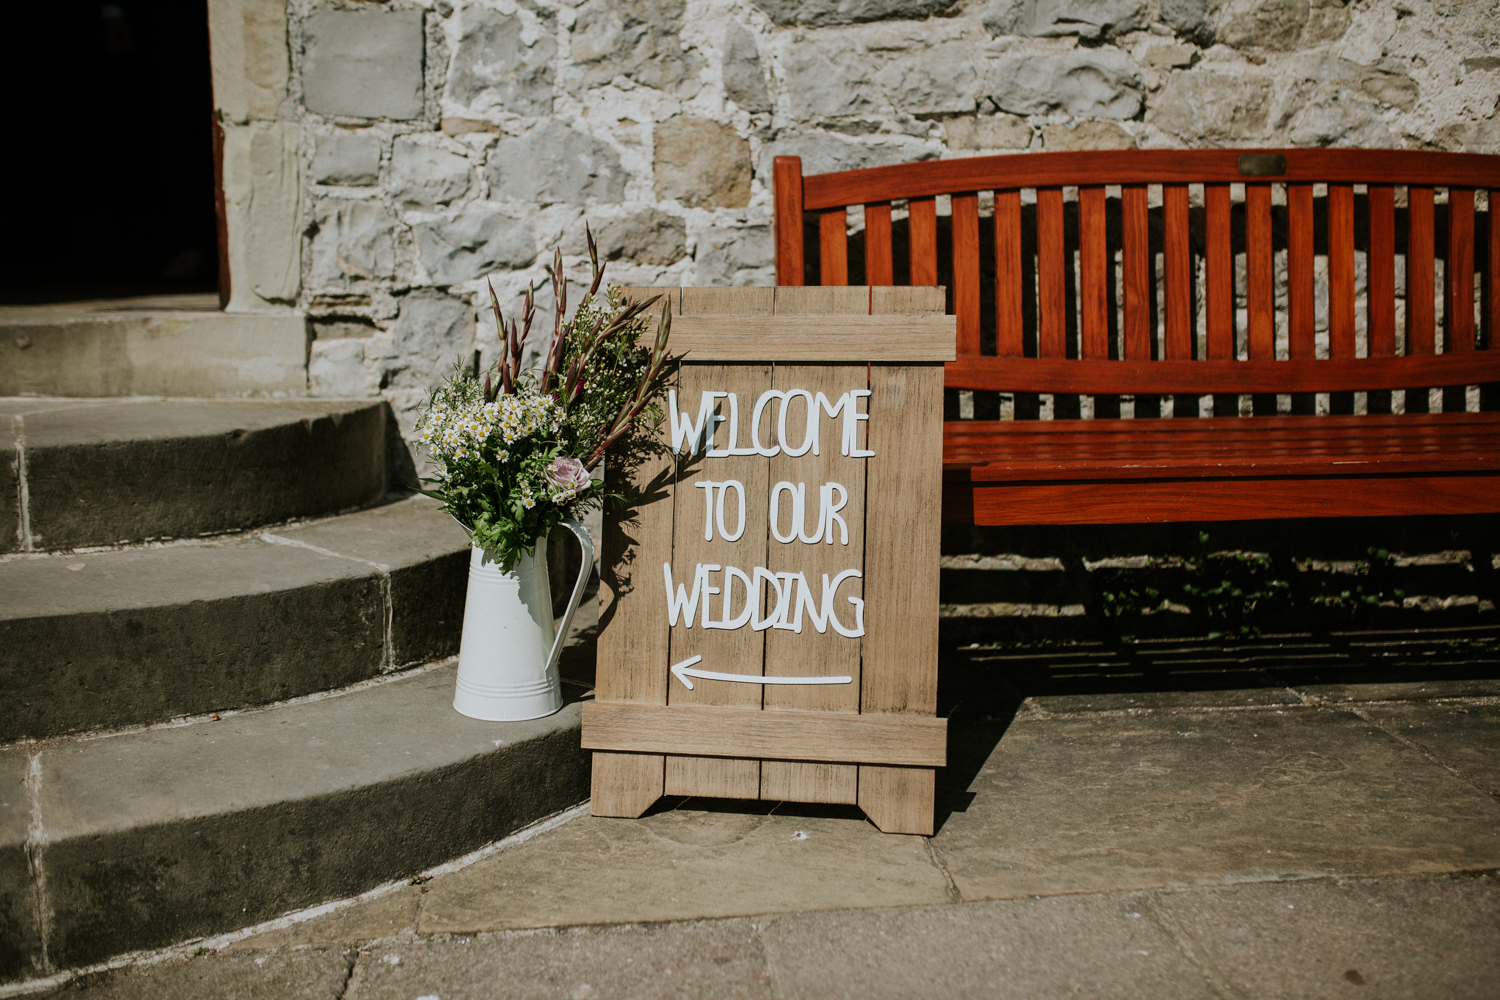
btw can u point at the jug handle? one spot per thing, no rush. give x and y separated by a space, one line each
583 578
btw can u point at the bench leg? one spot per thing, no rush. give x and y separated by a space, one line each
626 784
899 799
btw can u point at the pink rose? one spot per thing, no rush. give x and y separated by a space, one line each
568 474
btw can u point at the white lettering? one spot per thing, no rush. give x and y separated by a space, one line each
829 590
810 439
830 512
684 431
681 601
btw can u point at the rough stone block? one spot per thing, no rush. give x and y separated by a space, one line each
336 369
144 635
821 13
425 176
1339 117
170 834
553 163
263 208
1396 89
648 237
826 81
823 152
366 64
744 80
495 66
724 253
988 132
940 79
20 938
480 240
1088 83
637 39
1213 105
1086 135
1265 24
355 239
1471 137
1191 19
702 163
346 158
129 471
1055 18
432 332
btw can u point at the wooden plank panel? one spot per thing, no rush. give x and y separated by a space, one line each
1009 329
966 270
1381 301
908 300
786 172
1177 274
741 301
1051 278
1458 272
1225 500
1093 275
833 246
1340 271
1421 323
840 337
1137 166
802 781
922 226
1203 377
625 784
898 799
1135 254
879 266
1260 287
828 737
1299 266
1218 272
838 308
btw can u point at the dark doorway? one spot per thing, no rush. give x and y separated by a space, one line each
108 174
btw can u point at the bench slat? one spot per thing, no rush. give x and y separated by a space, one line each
1009 328
1135 253
1301 310
1218 272
1492 274
787 174
1260 287
1420 324
1381 313
1093 273
1203 377
879 263
1180 166
1177 273
1458 272
833 246
1341 270
966 271
1051 281
922 227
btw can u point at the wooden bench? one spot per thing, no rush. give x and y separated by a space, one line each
1111 280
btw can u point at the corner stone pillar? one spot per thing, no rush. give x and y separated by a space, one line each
262 153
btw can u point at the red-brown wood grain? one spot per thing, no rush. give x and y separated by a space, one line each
1009 331
1093 275
1421 324
1458 272
1218 272
1381 304
922 223
966 270
1301 316
786 172
1177 274
1051 279
1341 270
1135 257
833 246
1492 273
879 265
1260 286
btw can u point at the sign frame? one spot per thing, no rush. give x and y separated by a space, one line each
766 712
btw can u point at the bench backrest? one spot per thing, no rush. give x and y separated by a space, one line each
1104 268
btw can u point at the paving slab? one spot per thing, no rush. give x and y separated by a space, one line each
1093 946
684 863
166 834
1477 687
305 974
130 637
692 961
1184 797
1464 737
1263 697
1415 938
126 471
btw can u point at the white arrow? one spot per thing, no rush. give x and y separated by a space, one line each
683 671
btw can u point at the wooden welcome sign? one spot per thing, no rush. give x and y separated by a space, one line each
769 605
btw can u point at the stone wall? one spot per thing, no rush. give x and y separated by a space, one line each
443 143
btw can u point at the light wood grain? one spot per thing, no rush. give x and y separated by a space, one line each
712 777
828 338
908 300
850 300
820 737
898 799
625 784
800 781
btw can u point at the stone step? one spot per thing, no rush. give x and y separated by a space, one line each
135 636
144 839
105 472
165 345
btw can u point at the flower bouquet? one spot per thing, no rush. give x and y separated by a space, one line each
514 451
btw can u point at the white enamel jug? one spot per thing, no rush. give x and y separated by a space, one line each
507 657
